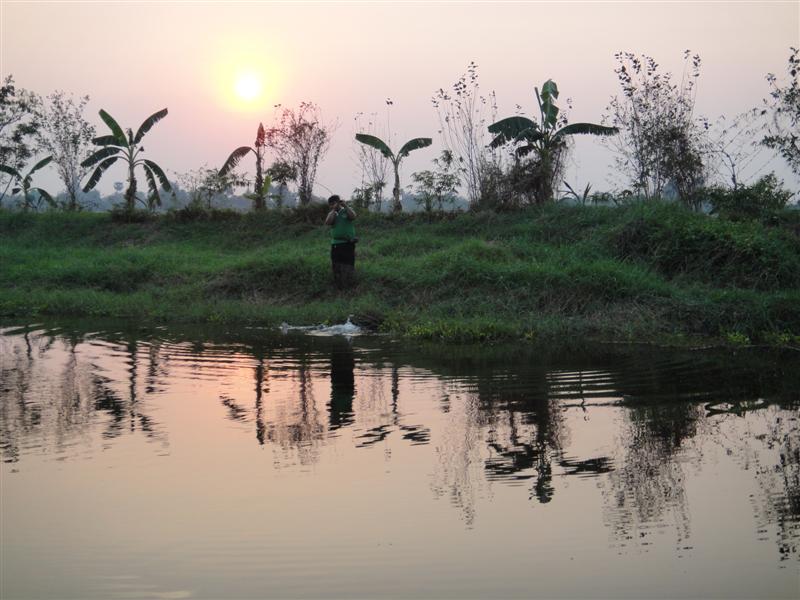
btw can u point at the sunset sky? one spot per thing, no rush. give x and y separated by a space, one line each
134 58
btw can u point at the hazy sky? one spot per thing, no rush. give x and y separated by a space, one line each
134 58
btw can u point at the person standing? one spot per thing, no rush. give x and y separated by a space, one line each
343 242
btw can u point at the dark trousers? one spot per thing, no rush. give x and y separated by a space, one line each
343 262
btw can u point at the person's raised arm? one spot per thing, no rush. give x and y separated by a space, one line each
331 217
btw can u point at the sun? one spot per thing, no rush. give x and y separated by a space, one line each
248 86
245 76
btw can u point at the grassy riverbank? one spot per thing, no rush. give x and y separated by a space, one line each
653 273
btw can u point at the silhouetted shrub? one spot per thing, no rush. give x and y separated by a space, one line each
756 202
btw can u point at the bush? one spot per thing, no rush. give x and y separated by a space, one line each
121 214
197 212
678 243
313 213
759 201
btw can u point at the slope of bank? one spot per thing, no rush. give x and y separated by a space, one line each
647 272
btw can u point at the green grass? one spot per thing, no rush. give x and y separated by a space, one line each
653 272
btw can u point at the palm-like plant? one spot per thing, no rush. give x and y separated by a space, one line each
547 139
380 145
259 195
126 146
23 183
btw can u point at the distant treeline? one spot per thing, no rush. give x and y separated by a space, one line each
661 148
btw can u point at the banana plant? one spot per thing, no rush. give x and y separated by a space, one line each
260 191
259 196
126 146
383 148
23 183
547 139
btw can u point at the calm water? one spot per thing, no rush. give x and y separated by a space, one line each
246 464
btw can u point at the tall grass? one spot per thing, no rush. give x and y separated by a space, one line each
649 272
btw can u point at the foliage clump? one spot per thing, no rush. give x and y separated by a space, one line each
126 146
540 147
783 111
722 253
661 141
301 139
759 201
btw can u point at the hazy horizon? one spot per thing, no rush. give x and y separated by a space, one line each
348 58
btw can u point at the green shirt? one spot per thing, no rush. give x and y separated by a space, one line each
342 230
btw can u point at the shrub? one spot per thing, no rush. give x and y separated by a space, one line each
678 243
756 202
121 214
197 212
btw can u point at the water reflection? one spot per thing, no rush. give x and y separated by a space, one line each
637 423
52 396
343 384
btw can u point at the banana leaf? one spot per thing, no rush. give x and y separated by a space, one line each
98 173
11 171
510 128
115 128
377 143
100 155
42 163
152 185
234 159
148 124
414 144
48 198
550 89
586 128
162 178
548 105
105 140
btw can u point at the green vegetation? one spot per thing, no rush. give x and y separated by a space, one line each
545 141
261 185
646 272
383 148
127 146
22 184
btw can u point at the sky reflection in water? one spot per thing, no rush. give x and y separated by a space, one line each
208 464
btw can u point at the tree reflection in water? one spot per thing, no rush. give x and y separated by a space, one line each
768 444
50 394
503 416
648 483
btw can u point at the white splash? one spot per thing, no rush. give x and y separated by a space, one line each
347 329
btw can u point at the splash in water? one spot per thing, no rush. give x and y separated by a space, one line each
347 329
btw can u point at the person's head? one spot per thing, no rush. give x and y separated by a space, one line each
334 201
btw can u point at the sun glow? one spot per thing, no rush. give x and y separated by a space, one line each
248 86
245 76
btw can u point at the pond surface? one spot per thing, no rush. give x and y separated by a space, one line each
167 463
